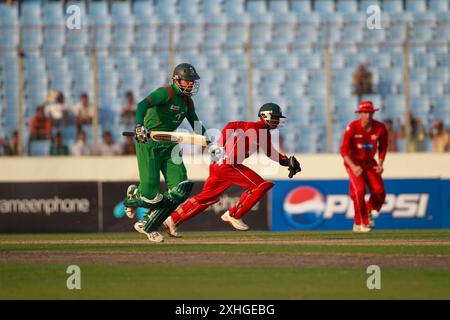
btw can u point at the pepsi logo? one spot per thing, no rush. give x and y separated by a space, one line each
304 207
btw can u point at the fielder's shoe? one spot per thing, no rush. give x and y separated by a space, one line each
371 215
152 236
171 228
131 194
236 223
361 228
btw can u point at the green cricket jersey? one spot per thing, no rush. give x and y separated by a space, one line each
165 108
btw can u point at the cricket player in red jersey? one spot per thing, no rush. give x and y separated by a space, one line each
237 142
362 139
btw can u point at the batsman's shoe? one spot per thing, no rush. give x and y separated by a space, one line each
371 215
361 228
236 223
152 236
171 228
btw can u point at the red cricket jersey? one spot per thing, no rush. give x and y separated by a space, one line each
241 139
361 146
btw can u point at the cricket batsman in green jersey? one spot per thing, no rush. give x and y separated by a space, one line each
163 110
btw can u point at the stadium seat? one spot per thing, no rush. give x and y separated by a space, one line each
439 5
364 4
424 60
418 74
279 7
122 32
143 8
392 6
301 6
416 6
188 7
256 7
39 148
212 7
323 6
98 9
121 9
237 32
166 8
434 88
347 6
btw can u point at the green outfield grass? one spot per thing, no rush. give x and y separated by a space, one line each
138 282
43 280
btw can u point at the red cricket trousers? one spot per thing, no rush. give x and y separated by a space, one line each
221 177
358 184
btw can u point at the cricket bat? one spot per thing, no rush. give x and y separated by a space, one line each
174 137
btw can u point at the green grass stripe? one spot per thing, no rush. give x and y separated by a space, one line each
438 234
241 248
152 282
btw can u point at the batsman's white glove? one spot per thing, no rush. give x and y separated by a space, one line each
142 134
216 152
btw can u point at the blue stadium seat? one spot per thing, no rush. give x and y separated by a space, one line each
122 32
212 7
418 75
237 32
146 33
98 9
143 8
364 4
434 88
424 60
52 9
279 7
8 11
31 9
439 5
215 32
39 148
416 6
189 7
80 4
392 6
121 9
287 61
323 6
347 6
166 8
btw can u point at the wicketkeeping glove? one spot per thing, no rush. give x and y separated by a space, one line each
294 167
142 134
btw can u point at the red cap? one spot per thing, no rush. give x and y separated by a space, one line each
366 106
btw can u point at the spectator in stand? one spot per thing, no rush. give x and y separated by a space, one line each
128 147
4 148
362 81
10 148
129 109
57 110
40 125
58 148
440 138
84 112
393 135
108 147
418 135
81 147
